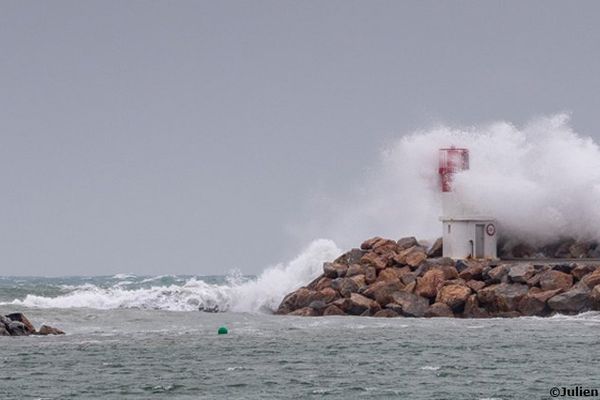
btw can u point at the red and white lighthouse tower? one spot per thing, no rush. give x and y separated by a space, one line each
466 234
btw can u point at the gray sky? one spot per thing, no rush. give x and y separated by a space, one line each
187 137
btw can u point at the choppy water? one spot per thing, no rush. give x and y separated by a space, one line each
130 353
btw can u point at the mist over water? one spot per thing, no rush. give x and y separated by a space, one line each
540 181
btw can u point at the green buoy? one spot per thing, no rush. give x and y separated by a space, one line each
222 331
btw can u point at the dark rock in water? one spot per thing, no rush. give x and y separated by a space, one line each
436 249
48 330
412 305
16 328
209 308
17 324
23 319
574 301
439 310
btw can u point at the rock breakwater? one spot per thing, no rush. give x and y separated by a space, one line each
403 278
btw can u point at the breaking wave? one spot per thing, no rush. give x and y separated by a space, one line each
239 294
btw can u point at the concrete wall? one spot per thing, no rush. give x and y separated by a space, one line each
457 239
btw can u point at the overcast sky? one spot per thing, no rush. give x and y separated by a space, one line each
188 136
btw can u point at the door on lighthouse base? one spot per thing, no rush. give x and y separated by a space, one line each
479 240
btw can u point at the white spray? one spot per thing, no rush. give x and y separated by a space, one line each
540 182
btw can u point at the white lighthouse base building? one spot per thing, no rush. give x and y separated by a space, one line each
469 237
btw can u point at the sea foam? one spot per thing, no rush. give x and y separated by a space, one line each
261 294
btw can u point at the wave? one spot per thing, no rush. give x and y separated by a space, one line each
262 294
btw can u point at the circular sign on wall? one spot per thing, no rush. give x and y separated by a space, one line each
490 229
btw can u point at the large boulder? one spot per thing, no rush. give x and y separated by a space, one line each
386 313
329 294
406 243
351 257
498 274
521 273
375 260
436 249
472 309
357 304
345 286
582 270
416 257
573 301
334 270
333 310
356 269
454 296
427 285
411 304
299 299
595 298
382 291
439 310
388 274
472 271
550 280
502 297
535 302
592 280
370 275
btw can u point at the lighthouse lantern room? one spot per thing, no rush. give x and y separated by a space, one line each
465 234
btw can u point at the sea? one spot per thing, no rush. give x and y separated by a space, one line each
144 337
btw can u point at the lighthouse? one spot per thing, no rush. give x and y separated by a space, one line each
465 233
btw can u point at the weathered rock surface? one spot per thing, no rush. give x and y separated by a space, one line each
17 324
387 278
